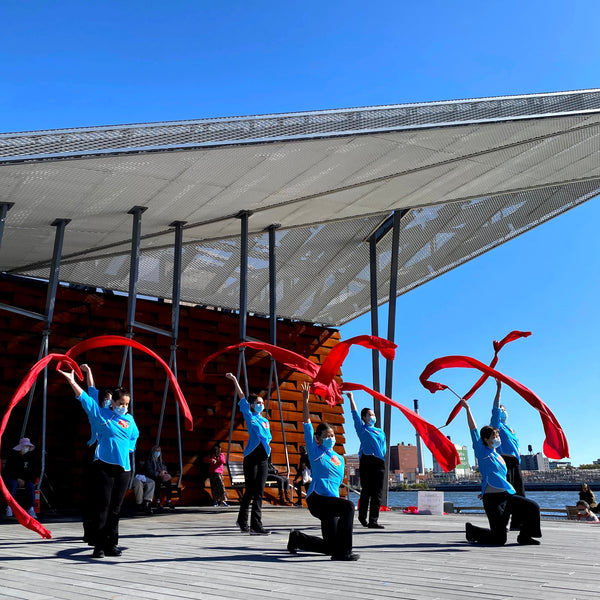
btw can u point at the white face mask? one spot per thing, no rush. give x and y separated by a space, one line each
120 410
259 407
496 442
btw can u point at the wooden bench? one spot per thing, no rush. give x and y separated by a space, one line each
237 480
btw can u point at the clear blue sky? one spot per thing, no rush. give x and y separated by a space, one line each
71 64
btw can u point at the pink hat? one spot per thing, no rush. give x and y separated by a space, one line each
24 443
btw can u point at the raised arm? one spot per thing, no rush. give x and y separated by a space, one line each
351 398
70 377
305 394
470 419
498 389
236 385
85 368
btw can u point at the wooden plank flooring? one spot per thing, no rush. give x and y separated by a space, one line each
199 553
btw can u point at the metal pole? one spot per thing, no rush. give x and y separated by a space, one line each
419 446
273 332
374 322
59 237
4 208
389 366
176 297
243 216
134 262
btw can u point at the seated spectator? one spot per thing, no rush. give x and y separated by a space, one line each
584 513
283 485
588 496
216 460
157 471
21 471
143 489
303 476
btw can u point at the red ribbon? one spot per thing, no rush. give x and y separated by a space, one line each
22 390
103 341
97 342
555 444
511 337
325 385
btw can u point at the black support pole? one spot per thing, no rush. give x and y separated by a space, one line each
389 365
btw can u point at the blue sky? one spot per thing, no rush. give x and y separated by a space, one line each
72 64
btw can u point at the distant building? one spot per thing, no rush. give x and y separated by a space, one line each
560 464
404 462
534 462
461 469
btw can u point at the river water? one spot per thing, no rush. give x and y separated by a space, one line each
554 500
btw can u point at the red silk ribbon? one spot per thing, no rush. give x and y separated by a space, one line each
22 517
325 385
511 337
555 444
102 341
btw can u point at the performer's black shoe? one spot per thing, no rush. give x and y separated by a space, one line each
470 533
112 551
375 526
259 531
291 546
363 522
243 528
349 556
98 553
527 541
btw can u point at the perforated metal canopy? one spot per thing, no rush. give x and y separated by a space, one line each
471 174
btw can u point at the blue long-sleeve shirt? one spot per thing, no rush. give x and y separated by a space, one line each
510 441
93 393
258 429
372 439
117 435
491 466
327 467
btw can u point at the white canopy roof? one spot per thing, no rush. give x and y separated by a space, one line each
471 174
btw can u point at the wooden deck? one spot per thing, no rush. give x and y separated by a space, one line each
199 553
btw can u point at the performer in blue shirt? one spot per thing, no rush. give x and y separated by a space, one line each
256 458
323 498
509 443
499 498
371 464
117 434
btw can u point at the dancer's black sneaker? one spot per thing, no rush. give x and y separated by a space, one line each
350 556
98 553
291 546
112 551
243 528
527 541
363 522
375 526
470 533
259 531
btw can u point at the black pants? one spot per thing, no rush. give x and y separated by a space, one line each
159 485
298 487
255 476
513 473
499 507
372 474
336 516
111 483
